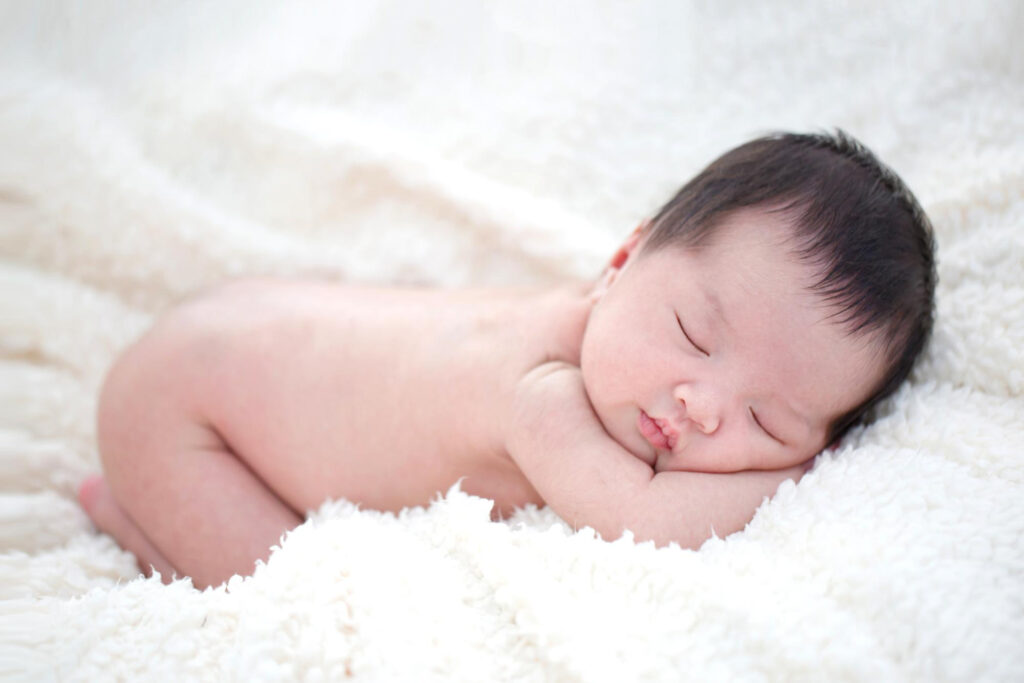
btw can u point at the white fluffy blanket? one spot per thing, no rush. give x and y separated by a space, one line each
147 153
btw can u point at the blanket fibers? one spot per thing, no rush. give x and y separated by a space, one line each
148 153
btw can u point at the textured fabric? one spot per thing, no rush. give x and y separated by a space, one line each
148 153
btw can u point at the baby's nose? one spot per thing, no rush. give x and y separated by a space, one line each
698 409
706 423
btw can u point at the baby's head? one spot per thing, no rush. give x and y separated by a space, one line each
759 314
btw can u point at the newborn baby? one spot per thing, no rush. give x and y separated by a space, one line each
746 326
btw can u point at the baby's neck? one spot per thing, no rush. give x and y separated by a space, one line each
555 319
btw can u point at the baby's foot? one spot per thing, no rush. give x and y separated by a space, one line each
107 515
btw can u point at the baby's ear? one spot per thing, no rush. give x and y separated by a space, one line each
627 248
618 260
602 285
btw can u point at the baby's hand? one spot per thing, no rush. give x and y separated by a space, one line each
589 479
551 396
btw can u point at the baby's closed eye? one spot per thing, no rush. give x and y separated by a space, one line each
694 344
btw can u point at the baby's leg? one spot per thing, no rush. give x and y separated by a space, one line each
107 515
198 504
195 502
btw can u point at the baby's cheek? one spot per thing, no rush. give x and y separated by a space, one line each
593 383
600 359
614 411
598 375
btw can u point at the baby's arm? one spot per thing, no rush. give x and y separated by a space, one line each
588 479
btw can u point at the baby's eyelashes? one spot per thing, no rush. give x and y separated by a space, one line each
763 428
689 338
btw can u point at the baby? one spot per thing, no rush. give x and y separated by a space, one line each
780 294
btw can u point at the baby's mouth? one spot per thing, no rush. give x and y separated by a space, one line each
655 432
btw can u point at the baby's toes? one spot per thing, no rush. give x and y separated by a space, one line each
89 492
98 502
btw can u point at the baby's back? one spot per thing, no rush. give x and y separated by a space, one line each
383 397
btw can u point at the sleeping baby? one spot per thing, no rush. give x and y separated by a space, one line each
755 318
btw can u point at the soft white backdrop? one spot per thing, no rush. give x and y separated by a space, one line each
148 150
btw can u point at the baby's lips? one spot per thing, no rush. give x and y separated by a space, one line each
651 430
669 430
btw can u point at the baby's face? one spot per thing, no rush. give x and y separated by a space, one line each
718 359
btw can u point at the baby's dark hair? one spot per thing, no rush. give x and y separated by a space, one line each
853 218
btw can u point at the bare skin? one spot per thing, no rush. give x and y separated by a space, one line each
251 405
323 390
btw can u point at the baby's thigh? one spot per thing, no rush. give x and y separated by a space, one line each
283 377
267 389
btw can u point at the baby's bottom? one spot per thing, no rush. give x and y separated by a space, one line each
175 494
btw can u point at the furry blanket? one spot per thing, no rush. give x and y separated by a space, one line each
148 153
